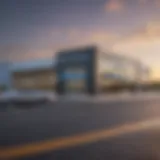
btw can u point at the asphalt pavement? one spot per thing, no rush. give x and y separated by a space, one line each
119 129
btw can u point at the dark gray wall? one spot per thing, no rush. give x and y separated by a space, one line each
77 57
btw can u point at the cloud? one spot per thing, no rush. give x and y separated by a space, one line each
57 40
142 1
71 37
18 52
104 39
157 3
114 5
78 37
143 44
149 32
11 52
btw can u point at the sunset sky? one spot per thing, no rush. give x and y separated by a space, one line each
32 29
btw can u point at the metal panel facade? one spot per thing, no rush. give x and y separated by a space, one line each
77 59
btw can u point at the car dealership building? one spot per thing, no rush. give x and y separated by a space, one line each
90 70
80 70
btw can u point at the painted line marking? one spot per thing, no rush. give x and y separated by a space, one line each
77 140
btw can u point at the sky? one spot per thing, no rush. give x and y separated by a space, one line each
32 29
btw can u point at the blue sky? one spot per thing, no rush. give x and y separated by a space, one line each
32 29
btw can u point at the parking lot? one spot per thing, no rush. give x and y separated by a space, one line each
42 126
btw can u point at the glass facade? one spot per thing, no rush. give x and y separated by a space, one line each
116 69
88 70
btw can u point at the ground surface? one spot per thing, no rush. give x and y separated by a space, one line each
66 119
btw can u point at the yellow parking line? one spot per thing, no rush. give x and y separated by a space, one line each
72 141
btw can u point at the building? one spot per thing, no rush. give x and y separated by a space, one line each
91 70
86 69
5 76
37 74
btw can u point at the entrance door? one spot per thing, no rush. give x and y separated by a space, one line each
75 80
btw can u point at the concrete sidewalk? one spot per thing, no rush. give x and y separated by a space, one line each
125 96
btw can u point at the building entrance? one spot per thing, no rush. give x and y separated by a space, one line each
75 80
